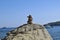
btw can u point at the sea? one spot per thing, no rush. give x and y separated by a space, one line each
54 31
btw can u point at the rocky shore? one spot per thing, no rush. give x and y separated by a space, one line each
29 31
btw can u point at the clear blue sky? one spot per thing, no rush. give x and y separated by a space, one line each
14 13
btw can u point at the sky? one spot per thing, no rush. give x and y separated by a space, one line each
13 13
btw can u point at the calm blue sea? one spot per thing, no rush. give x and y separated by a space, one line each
3 32
54 32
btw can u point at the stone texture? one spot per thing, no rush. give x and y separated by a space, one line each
29 32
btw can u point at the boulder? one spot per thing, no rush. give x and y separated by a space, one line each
29 32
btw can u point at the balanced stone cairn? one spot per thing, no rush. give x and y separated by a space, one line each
29 31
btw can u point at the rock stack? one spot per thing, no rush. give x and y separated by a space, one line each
29 31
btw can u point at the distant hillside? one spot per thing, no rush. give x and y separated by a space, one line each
57 23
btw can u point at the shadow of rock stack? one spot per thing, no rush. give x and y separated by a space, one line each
29 31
